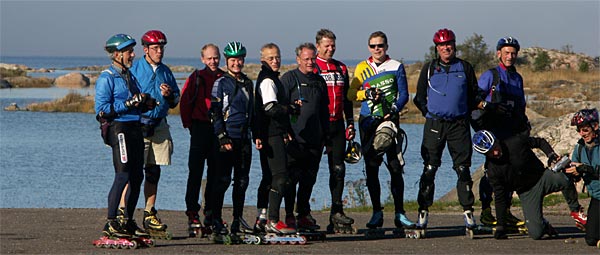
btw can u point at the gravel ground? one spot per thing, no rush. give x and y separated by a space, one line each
71 231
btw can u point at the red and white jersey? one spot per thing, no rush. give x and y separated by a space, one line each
335 74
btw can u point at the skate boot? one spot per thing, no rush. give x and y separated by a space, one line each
374 225
487 218
121 216
307 224
239 225
261 221
549 229
278 227
220 234
259 226
194 225
405 227
154 226
512 220
469 223
114 228
580 219
340 223
290 222
133 229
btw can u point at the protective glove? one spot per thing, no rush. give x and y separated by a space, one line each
552 158
294 109
350 132
498 108
583 168
372 94
224 139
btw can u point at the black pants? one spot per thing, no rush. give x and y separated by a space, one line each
128 166
237 161
457 135
275 152
303 173
337 168
373 162
592 229
203 144
262 197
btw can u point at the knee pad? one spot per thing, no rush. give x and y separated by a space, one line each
428 175
463 173
152 174
280 184
338 172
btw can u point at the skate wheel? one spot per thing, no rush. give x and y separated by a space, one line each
303 240
133 245
257 241
169 236
227 240
354 231
150 243
470 234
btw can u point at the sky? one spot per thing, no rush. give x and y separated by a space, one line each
80 28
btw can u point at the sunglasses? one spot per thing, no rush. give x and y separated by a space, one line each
381 45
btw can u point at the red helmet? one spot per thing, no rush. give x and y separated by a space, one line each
154 37
443 35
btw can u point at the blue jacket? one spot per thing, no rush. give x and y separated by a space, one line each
590 157
112 92
510 87
446 92
150 82
232 106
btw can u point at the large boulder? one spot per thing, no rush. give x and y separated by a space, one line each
72 80
4 84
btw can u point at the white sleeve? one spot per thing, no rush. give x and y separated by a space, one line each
268 91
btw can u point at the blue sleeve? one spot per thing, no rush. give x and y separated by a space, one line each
485 85
575 155
216 106
103 98
402 87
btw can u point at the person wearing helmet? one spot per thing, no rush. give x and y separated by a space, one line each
586 164
272 131
119 102
232 112
341 129
517 168
310 128
446 91
502 111
194 105
157 80
380 85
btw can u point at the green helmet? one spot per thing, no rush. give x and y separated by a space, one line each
234 49
119 42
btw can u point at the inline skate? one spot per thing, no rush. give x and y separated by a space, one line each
374 226
405 227
470 225
279 233
340 223
421 226
241 232
307 227
154 227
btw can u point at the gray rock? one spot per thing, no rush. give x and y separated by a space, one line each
4 84
72 80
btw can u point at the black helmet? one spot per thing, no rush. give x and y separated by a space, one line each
353 153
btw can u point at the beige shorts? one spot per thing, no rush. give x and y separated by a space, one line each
159 147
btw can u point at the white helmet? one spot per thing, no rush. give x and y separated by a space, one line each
483 141
385 134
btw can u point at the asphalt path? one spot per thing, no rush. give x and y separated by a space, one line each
72 231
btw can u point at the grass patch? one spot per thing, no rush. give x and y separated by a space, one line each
11 72
72 102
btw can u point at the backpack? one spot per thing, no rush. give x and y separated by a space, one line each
593 186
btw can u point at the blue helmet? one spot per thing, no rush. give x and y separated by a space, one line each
483 141
508 41
119 42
